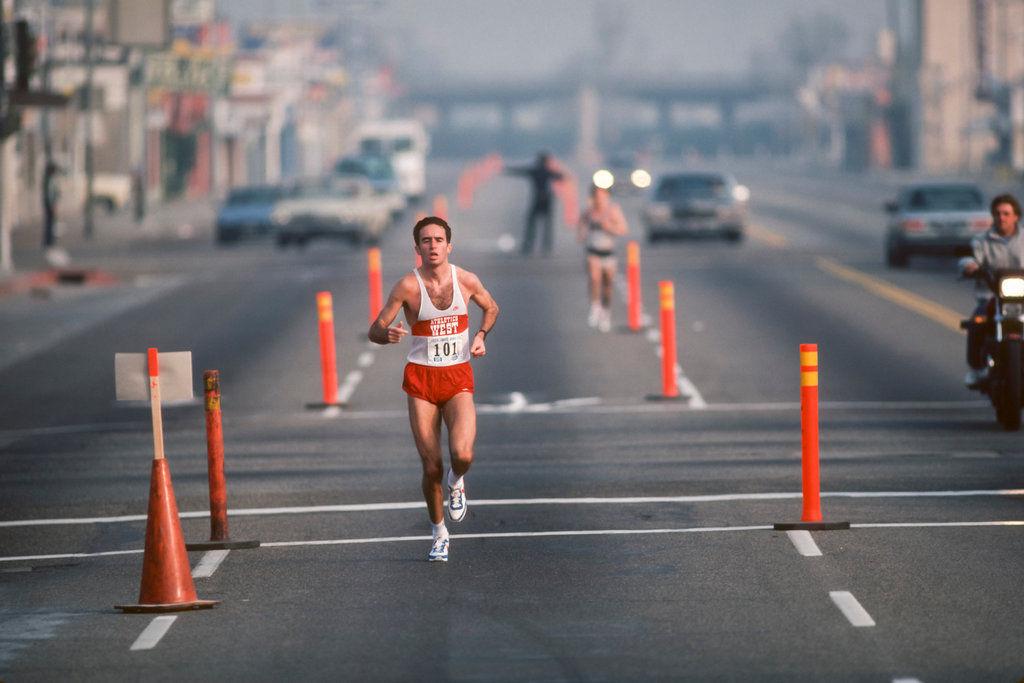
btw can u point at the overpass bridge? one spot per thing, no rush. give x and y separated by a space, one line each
573 116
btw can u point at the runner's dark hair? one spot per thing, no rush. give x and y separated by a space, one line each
431 220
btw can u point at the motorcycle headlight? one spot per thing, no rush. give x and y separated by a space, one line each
1011 287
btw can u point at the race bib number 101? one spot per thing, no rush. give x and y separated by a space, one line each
444 350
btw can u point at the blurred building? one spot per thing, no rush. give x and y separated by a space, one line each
217 106
958 94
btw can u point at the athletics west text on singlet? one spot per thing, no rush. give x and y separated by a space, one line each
440 338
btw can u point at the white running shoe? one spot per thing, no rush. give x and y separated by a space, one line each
439 551
595 316
605 323
457 503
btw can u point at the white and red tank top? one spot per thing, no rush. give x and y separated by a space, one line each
440 338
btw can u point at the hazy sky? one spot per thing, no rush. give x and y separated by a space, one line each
477 37
522 38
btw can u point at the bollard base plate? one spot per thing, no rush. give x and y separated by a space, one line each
679 398
811 526
169 607
221 545
325 406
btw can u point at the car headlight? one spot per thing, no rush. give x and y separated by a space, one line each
604 178
1011 287
741 193
640 178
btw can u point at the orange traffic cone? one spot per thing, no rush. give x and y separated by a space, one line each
166 576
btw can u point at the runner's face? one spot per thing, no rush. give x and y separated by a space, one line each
1004 219
433 246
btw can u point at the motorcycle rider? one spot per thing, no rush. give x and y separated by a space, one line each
1001 246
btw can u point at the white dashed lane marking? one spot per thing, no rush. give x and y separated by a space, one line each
156 630
851 609
805 545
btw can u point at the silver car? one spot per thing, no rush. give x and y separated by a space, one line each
934 218
334 206
696 204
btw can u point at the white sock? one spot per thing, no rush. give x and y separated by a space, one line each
453 481
439 530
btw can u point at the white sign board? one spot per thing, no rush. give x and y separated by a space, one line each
131 376
141 22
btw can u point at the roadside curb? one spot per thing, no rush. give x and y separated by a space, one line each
57 276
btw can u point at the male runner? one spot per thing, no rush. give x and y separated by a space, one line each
438 378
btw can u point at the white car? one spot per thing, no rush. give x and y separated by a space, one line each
333 206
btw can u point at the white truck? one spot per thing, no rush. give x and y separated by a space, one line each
406 143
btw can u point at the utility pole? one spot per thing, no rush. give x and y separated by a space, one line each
90 170
6 263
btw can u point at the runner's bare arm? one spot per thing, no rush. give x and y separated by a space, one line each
380 331
617 221
477 293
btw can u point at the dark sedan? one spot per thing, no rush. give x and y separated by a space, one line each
694 204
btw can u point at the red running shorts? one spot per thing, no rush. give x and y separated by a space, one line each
437 384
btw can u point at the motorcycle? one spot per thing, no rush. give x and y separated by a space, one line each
1003 325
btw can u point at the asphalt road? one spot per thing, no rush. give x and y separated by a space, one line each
609 537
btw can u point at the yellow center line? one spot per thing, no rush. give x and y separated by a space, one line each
946 317
763 234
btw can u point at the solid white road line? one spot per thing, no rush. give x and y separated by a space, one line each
209 563
152 634
805 545
376 507
533 534
851 609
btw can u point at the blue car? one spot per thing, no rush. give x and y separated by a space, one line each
247 211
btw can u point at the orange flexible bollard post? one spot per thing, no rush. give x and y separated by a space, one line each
810 474
328 360
373 273
669 387
633 281
441 207
219 539
809 432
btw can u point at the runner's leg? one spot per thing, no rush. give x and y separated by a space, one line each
425 420
607 276
460 418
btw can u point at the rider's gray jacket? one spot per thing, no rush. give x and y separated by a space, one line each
992 250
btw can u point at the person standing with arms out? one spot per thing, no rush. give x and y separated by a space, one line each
600 225
438 378
541 175
1001 246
